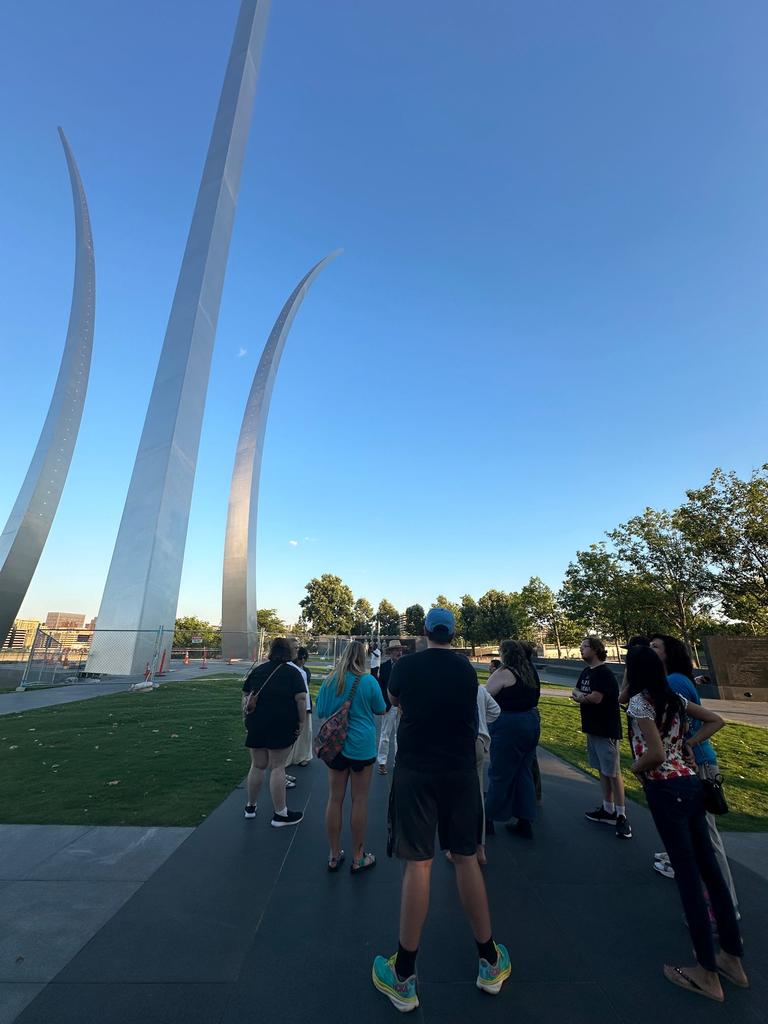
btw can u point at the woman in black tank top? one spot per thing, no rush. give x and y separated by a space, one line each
514 736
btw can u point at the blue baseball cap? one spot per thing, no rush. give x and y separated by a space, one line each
440 620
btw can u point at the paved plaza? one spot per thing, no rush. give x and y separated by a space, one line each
242 922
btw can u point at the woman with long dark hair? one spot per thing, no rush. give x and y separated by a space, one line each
514 736
354 764
679 668
657 724
275 710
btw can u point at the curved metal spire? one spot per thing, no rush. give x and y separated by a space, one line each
142 588
239 630
23 539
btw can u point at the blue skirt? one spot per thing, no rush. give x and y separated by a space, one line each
511 789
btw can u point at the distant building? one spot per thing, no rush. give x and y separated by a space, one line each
64 620
21 635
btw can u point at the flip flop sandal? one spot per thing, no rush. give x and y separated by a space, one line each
364 863
678 977
335 862
734 981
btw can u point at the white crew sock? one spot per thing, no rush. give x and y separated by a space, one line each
283 813
621 810
609 807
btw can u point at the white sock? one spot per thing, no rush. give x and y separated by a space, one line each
621 811
283 813
609 807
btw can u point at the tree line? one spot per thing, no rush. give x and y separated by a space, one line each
699 569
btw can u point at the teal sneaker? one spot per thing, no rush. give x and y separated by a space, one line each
402 994
491 978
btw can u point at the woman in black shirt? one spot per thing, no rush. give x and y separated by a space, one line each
514 736
275 712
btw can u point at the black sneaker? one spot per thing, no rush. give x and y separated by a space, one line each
250 811
291 818
623 828
601 815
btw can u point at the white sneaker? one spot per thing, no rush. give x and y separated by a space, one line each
664 869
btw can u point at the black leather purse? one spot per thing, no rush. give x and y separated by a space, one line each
714 797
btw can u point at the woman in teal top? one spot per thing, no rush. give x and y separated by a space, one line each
357 755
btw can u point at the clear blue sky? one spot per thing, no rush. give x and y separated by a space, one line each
551 310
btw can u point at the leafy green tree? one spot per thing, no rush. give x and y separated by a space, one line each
606 598
499 616
541 607
726 524
388 618
668 565
327 608
362 617
191 628
471 629
269 620
414 620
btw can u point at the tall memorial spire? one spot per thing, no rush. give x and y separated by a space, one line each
23 539
142 588
239 630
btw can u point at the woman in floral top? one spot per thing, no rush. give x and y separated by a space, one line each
664 763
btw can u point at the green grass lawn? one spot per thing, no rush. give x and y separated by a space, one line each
742 752
170 756
165 757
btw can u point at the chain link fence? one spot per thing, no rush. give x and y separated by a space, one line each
61 657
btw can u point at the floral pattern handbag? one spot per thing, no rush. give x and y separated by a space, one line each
333 732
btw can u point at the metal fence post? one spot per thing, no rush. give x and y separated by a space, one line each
23 684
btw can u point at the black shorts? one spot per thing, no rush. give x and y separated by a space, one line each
421 803
348 764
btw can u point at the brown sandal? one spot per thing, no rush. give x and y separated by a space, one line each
678 977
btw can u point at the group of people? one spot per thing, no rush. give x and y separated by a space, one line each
445 728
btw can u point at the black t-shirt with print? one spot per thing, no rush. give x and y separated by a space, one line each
437 693
603 719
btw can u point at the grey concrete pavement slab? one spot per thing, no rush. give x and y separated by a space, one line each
529 1002
44 924
24 847
106 853
193 920
129 1004
14 996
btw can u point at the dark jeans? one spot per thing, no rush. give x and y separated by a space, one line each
677 806
511 788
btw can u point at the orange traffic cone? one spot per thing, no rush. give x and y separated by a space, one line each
186 657
147 674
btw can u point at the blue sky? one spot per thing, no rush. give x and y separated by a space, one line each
551 309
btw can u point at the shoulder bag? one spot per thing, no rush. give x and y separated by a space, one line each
333 732
251 698
714 797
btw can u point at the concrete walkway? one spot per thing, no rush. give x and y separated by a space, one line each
243 922
59 884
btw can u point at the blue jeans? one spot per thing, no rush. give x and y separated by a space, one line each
677 806
511 789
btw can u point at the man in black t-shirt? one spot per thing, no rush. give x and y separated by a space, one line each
597 694
435 788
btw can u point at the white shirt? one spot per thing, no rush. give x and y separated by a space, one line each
487 711
375 658
306 684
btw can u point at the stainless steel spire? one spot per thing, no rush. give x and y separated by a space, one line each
142 587
238 599
23 539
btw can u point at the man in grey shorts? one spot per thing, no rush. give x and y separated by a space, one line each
597 694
